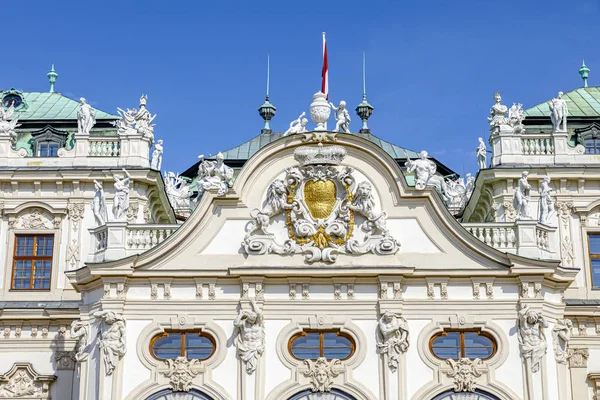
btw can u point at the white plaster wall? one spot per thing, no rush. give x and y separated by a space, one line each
461 291
365 292
417 374
93 296
3 245
510 373
277 292
552 392
135 371
367 373
226 373
93 365
414 292
229 238
411 236
138 292
276 371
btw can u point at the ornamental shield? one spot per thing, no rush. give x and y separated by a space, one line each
320 197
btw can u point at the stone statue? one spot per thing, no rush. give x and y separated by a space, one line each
321 373
469 187
546 201
561 334
424 170
214 175
121 199
125 125
112 338
178 191
531 336
481 154
250 339
86 118
521 197
364 203
558 113
297 126
342 117
157 155
516 115
498 112
79 331
143 120
99 205
392 337
8 127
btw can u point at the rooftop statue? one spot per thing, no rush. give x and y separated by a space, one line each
546 201
143 120
214 175
522 197
121 199
178 191
342 117
481 154
86 118
424 170
156 162
297 126
8 127
558 113
125 125
498 112
516 115
99 205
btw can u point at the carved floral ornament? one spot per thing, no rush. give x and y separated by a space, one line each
320 200
22 382
465 371
34 218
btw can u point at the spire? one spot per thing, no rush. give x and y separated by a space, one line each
584 72
364 109
52 75
267 110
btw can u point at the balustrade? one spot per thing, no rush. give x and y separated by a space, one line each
537 145
105 148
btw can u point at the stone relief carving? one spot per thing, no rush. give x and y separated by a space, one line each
320 207
424 170
181 372
297 126
65 360
392 337
75 212
465 371
578 357
99 205
561 334
80 332
86 117
489 290
481 154
321 373
292 293
558 113
546 201
567 253
72 256
157 155
178 192
510 214
112 338
305 291
35 218
132 212
250 336
23 382
7 128
522 196
342 117
531 336
214 175
211 291
121 199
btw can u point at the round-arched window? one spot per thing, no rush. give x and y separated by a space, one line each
333 395
310 345
477 395
194 345
457 344
171 395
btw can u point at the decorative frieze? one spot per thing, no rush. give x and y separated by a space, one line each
383 290
476 286
245 290
578 357
259 291
489 290
121 291
305 292
292 293
23 382
430 291
321 373
154 291
211 291
444 291
65 360
350 293
199 294
465 371
167 291
337 291
181 372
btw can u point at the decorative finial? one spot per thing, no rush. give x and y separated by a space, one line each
364 109
267 110
584 72
52 75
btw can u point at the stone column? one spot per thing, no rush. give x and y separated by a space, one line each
578 364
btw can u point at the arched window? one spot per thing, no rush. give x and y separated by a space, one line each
310 345
171 395
462 343
592 144
194 345
333 395
477 395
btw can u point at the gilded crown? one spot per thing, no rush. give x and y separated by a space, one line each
331 155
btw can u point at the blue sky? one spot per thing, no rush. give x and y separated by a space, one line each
432 67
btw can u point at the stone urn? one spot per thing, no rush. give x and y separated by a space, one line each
320 111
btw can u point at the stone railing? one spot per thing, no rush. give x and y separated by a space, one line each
534 145
105 147
117 240
525 238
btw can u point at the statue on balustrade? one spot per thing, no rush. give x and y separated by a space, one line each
157 156
297 126
342 117
481 154
143 120
522 197
425 170
214 175
125 125
558 113
546 201
86 118
498 112
178 191
99 205
516 115
531 336
8 127
121 199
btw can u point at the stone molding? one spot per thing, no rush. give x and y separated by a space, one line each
578 357
24 383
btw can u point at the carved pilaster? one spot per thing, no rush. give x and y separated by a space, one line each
578 357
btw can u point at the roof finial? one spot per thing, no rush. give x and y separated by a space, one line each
52 75
267 110
584 72
364 109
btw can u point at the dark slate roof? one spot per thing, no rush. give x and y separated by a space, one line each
46 305
578 302
582 102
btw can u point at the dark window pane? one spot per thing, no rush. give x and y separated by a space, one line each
478 352
473 339
594 244
198 347
595 272
168 347
445 352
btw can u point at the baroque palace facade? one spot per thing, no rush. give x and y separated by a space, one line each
312 264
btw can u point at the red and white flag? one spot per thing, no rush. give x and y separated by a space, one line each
325 71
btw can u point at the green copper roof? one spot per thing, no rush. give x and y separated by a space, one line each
53 106
582 102
248 149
